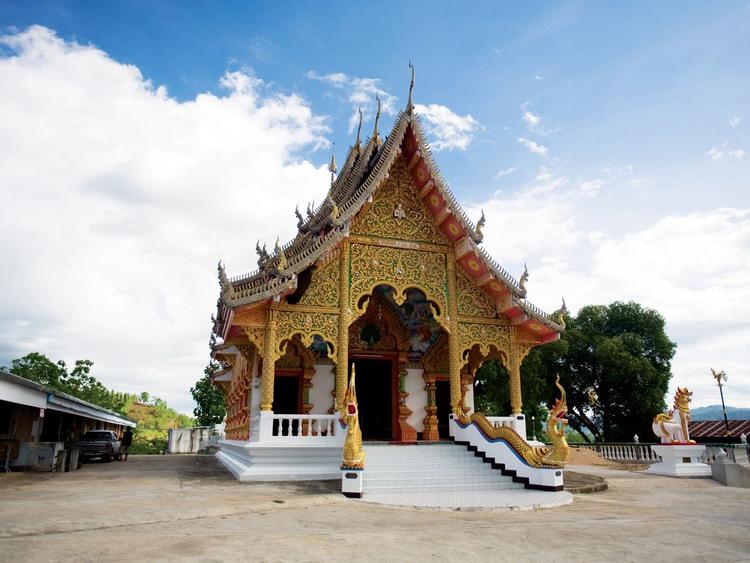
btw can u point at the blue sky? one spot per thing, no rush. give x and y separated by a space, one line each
607 142
611 73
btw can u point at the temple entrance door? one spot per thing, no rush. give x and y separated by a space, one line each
286 394
375 398
443 403
286 400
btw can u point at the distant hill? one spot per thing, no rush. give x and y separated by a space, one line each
713 412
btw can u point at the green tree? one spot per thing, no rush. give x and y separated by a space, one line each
211 405
77 382
492 392
615 364
39 368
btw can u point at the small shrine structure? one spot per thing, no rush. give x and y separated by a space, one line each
387 273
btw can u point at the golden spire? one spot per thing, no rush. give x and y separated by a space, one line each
375 134
409 104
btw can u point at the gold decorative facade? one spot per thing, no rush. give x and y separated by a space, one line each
388 230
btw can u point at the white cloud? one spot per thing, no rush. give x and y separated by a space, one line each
533 146
534 123
692 268
721 153
538 77
447 129
360 93
118 201
505 172
734 121
592 187
532 120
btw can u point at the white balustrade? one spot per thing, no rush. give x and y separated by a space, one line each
301 429
628 452
515 422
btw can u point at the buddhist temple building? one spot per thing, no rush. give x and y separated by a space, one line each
387 274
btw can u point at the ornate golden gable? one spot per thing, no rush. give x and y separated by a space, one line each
323 290
397 212
472 300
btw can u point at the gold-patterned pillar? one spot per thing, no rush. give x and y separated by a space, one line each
430 420
342 353
454 351
518 352
269 362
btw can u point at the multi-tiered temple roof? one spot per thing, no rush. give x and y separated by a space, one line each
366 167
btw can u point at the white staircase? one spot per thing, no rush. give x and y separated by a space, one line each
429 468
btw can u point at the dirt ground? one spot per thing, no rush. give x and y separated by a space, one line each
188 508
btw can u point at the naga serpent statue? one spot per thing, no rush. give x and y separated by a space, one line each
557 456
672 427
556 424
353 455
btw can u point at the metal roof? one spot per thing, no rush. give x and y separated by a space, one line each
59 401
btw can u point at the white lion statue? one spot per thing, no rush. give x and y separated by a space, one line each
672 426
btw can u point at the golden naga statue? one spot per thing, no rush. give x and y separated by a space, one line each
673 428
354 455
556 423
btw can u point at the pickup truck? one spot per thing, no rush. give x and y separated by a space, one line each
99 443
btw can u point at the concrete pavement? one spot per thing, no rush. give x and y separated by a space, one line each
187 508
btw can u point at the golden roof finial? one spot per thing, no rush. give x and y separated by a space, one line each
375 134
409 104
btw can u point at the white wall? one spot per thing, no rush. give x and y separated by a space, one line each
323 383
17 393
254 398
469 398
417 399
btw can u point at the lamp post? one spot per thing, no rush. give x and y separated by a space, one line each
720 377
533 427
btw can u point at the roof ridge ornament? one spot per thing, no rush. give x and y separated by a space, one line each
227 289
524 278
276 247
334 214
332 167
357 143
262 254
300 221
375 134
559 315
478 234
409 104
310 207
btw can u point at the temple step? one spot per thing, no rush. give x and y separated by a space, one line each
429 468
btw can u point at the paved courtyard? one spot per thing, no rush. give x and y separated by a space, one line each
184 508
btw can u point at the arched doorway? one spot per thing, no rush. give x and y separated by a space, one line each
386 344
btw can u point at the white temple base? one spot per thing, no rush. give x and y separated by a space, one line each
680 460
254 461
